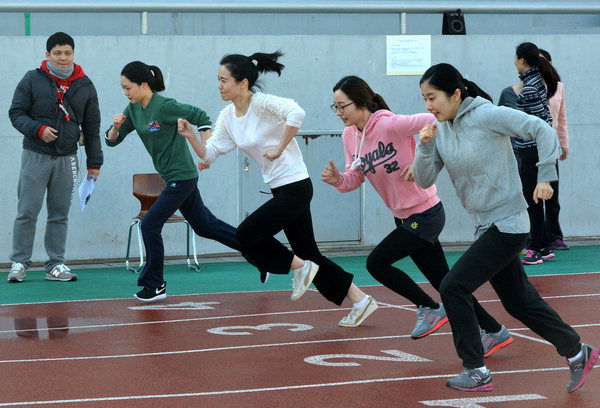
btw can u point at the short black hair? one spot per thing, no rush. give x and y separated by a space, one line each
59 38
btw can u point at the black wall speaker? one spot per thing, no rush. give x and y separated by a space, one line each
454 23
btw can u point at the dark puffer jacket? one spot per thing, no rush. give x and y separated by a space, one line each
35 104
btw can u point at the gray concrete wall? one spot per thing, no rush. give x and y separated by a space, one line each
292 24
313 65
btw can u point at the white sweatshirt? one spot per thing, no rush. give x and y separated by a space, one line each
260 128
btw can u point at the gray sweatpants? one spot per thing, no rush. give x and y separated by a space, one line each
43 174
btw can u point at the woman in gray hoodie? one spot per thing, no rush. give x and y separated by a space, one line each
471 138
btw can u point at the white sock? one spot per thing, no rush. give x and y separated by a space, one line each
482 369
302 268
362 303
576 357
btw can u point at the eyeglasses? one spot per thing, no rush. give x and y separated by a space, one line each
339 108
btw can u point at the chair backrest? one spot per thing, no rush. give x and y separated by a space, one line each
147 188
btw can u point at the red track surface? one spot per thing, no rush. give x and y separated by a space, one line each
105 354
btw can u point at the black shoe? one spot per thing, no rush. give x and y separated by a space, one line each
152 294
264 276
547 253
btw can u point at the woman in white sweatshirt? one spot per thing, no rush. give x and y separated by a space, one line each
264 127
471 139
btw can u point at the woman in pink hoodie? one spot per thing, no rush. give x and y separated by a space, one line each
380 146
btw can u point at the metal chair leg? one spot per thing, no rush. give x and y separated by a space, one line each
191 235
129 246
135 222
140 246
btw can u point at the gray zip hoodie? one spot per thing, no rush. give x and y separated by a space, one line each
476 151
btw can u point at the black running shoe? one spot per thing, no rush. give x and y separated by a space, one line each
152 294
264 276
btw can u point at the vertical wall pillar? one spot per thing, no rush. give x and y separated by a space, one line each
144 23
27 24
402 23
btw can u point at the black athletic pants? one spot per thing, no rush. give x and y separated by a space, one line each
428 257
494 257
289 210
528 171
552 207
183 196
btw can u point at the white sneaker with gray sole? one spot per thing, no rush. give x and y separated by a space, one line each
17 272
358 315
61 272
302 279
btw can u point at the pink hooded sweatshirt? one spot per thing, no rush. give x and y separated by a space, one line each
388 147
559 115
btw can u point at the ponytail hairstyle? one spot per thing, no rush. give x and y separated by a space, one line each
548 57
361 93
243 67
446 78
531 54
138 72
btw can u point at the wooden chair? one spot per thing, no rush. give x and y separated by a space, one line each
147 188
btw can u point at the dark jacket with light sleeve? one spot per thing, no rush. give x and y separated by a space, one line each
35 104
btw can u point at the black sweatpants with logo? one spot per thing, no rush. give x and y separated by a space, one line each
429 258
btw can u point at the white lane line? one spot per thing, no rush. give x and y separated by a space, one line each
192 319
408 307
549 297
163 353
253 291
266 389
531 338
411 308
249 346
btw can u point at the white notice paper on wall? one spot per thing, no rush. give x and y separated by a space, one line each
407 54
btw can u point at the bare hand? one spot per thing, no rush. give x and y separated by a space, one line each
49 134
272 153
331 174
118 120
428 133
543 191
203 166
407 173
185 129
93 174
564 154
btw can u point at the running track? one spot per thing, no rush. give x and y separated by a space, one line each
260 349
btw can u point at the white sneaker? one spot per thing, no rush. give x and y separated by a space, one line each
358 315
61 272
17 272
302 279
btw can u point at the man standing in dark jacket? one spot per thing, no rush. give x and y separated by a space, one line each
53 106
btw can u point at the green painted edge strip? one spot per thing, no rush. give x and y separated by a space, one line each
27 24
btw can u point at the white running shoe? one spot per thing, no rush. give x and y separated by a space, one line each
61 272
17 272
358 315
302 279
